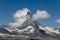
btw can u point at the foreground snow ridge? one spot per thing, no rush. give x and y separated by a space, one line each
50 30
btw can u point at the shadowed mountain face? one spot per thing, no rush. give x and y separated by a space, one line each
30 30
2 30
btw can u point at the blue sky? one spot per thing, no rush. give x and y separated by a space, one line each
9 7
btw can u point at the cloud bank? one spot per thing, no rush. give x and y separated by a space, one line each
40 15
21 16
57 21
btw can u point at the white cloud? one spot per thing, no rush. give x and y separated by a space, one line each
20 17
57 21
40 15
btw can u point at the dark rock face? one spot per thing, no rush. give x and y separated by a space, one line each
42 31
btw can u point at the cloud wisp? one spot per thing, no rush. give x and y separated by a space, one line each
21 16
57 21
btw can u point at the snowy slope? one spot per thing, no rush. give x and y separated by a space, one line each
50 30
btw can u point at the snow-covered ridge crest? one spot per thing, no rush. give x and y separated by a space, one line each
50 30
29 29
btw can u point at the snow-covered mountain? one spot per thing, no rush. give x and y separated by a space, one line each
31 28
